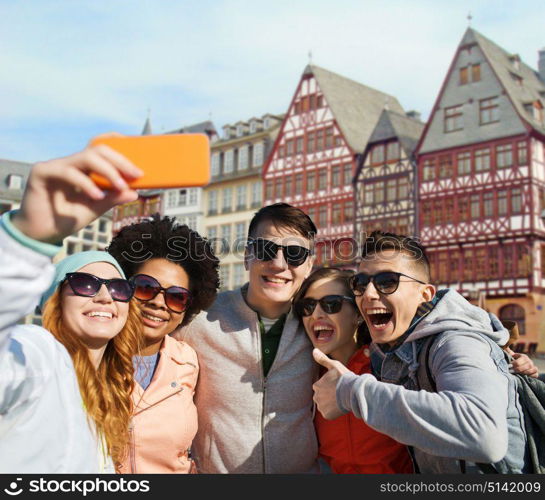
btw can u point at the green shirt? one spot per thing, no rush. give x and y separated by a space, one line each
269 341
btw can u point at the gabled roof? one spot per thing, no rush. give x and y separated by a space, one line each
356 107
500 60
392 125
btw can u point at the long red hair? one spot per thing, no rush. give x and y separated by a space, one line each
106 391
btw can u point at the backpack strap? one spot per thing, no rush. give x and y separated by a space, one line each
428 346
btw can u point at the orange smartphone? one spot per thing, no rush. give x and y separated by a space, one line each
168 160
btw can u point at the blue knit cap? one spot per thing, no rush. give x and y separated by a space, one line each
73 263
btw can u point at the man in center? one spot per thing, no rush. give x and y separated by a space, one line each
254 396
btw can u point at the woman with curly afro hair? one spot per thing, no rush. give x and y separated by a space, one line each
175 275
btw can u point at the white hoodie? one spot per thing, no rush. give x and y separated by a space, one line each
43 425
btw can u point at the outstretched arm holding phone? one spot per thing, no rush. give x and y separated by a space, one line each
40 401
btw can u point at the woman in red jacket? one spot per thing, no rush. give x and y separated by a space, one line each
325 304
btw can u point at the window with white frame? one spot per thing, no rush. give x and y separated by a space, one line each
228 161
240 130
243 158
240 231
193 196
266 123
172 198
102 225
192 222
258 154
212 202
224 277
182 197
227 201
226 234
256 193
241 197
15 181
215 164
238 275
212 232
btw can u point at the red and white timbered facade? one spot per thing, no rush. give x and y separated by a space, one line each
385 182
313 162
311 167
481 176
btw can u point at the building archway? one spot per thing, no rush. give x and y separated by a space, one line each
514 312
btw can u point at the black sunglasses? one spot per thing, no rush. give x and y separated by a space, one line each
330 304
385 282
88 285
177 298
266 250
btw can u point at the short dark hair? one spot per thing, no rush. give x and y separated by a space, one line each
284 216
198 260
341 276
380 241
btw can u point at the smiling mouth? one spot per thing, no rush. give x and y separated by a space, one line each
379 317
275 281
152 318
99 314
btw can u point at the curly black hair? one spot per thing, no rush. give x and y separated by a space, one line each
164 238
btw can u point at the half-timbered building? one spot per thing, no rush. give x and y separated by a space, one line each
482 182
311 166
385 183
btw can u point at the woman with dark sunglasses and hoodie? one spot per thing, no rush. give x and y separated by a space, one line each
65 389
175 275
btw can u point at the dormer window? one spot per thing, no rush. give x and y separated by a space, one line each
538 112
515 61
227 132
535 110
253 127
240 130
266 122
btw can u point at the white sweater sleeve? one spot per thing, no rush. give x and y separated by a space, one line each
24 276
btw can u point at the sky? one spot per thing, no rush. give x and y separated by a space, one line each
72 69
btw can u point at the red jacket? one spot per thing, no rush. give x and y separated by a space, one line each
350 446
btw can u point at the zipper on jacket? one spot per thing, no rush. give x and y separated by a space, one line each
264 389
132 451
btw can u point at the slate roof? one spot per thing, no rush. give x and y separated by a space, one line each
356 107
392 125
206 127
532 88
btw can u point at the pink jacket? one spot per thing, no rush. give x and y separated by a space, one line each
164 422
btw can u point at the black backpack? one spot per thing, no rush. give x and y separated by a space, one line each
531 392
